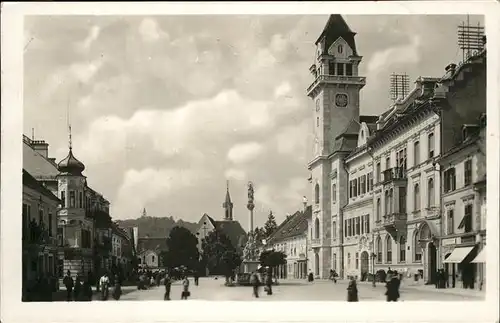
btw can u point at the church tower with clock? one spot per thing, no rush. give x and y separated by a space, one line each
335 93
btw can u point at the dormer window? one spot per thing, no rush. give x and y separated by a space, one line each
340 49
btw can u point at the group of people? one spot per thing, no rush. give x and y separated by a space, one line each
267 280
80 289
168 279
392 284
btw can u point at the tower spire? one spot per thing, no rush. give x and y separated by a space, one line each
228 205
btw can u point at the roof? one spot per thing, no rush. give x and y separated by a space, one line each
36 165
296 225
368 119
71 165
234 231
337 27
32 183
155 244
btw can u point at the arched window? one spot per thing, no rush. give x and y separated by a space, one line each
334 193
340 48
348 260
416 197
417 253
402 249
316 228
388 249
430 193
379 250
316 194
378 209
357 260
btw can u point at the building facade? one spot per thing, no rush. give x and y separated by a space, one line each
39 229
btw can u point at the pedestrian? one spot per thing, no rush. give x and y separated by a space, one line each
392 286
269 281
254 280
310 277
185 288
77 288
168 284
335 275
68 282
196 277
104 286
117 290
87 290
352 290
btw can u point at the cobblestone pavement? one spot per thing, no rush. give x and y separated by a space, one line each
298 290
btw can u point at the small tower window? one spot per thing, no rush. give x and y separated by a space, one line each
340 49
71 198
317 121
348 69
340 69
63 199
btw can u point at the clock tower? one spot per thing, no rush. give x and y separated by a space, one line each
335 95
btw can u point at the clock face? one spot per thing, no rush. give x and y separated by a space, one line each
341 100
317 105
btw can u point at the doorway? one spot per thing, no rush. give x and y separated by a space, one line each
432 268
316 264
364 265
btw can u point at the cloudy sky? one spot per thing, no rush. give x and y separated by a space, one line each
164 109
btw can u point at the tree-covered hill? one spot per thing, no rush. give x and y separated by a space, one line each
156 227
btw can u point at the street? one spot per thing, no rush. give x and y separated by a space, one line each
298 290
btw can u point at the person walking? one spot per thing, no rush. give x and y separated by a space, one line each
269 281
392 286
352 291
185 288
78 288
255 281
168 285
117 290
87 290
335 275
104 285
68 282
310 277
196 277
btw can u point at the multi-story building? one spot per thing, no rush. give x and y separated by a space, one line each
460 101
291 238
39 228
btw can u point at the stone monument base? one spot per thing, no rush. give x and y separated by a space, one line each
249 266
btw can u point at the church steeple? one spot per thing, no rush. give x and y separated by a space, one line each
228 205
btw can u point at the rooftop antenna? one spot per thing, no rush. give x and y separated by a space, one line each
399 86
470 38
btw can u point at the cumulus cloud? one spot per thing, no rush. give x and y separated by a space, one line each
91 38
282 90
245 152
236 174
407 53
151 31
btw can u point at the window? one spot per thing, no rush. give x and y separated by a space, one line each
152 258
50 224
358 183
334 230
391 201
466 223
379 250
340 49
430 193
345 228
80 200
316 194
362 220
72 198
378 171
450 222
416 196
349 227
348 259
402 200
379 207
348 69
355 188
387 203
334 193
331 68
388 248
402 249
363 184
367 223
317 121
334 258
316 228
430 138
388 162
417 248
401 160
358 226
357 260
449 180
468 172
370 182
340 69
416 153
63 199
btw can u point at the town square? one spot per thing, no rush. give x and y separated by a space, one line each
311 158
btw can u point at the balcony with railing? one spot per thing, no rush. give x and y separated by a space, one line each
316 242
395 174
337 79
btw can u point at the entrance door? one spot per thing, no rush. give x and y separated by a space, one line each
432 268
364 265
316 264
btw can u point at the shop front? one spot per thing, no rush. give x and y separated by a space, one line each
459 253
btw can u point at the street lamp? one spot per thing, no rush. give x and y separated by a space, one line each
373 256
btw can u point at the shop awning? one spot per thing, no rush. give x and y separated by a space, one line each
481 257
458 255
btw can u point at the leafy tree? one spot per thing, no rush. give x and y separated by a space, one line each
270 226
219 255
182 249
272 259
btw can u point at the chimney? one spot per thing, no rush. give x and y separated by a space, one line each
304 202
41 147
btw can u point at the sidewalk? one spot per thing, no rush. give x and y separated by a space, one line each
60 295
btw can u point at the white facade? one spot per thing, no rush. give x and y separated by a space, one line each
149 259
